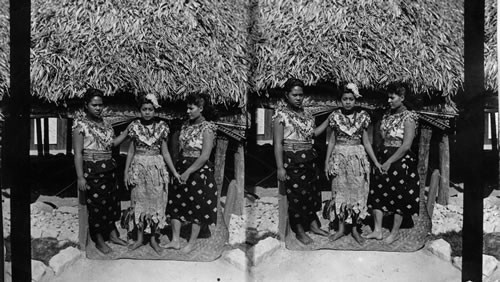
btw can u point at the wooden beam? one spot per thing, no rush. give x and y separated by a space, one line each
433 190
17 139
235 191
220 161
470 136
493 129
444 167
69 136
423 160
46 140
39 142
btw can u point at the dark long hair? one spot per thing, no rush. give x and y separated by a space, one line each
291 83
141 100
90 94
203 100
403 90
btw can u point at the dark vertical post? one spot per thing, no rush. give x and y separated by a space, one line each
39 141
46 143
17 139
470 135
493 129
69 136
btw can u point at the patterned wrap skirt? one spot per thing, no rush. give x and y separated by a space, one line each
103 204
149 194
304 199
195 201
350 170
397 191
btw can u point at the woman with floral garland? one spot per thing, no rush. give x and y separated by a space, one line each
146 173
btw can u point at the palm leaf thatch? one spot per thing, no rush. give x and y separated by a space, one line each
168 48
370 43
4 47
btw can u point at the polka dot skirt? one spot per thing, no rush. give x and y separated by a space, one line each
397 191
195 201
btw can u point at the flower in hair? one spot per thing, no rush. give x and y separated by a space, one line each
153 99
354 90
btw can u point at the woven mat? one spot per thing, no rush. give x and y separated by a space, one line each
410 239
208 249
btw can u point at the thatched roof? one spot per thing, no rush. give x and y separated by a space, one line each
370 43
4 47
169 48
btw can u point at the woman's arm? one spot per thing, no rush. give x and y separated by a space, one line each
130 157
278 133
329 150
78 147
409 134
206 149
369 149
168 159
123 135
320 129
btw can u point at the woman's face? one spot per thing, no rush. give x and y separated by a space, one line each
194 111
395 101
348 101
296 96
147 111
94 107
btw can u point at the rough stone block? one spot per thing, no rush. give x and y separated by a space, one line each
237 258
490 263
441 249
38 269
264 249
64 259
70 210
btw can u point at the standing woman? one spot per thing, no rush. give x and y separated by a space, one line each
295 160
194 199
95 168
146 173
395 185
347 163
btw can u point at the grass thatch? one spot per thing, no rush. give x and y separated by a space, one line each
169 48
370 43
4 47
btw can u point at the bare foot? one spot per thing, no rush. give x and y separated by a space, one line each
188 248
391 238
113 237
374 235
155 246
316 230
356 236
304 238
336 236
176 245
135 245
103 247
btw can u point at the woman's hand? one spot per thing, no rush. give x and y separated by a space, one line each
177 176
385 167
281 174
184 177
327 170
378 166
82 184
126 180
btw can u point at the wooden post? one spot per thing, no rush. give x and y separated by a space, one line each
444 167
283 211
493 129
16 147
471 139
46 137
69 136
239 175
423 160
220 161
235 191
39 142
82 220
433 190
